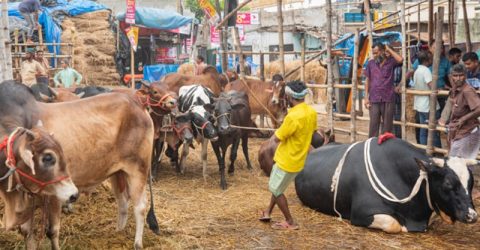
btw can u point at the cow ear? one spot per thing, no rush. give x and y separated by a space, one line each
209 107
423 165
81 94
238 106
26 153
45 98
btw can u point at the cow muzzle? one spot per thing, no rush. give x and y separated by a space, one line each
275 101
472 216
66 191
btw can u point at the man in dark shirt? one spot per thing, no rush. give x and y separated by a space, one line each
379 88
29 10
470 60
464 131
454 56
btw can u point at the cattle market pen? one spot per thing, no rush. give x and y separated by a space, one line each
355 86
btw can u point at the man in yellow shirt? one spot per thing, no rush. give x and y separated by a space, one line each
294 136
30 69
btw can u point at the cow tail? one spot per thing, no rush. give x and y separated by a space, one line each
151 218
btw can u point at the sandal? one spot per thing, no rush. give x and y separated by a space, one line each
264 218
284 226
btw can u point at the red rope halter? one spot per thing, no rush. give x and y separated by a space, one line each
12 164
148 101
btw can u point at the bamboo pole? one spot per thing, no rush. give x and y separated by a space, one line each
353 116
223 47
232 13
236 40
329 66
302 56
368 21
468 41
6 43
118 35
16 48
418 24
450 25
132 66
430 20
403 83
433 97
225 36
281 48
262 66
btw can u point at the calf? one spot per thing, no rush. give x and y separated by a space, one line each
32 163
268 148
197 100
231 109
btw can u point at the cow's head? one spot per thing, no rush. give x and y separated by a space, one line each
183 127
322 137
41 165
158 97
48 94
278 89
227 77
202 120
451 183
223 107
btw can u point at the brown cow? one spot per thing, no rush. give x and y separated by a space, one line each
265 98
210 78
105 136
268 148
32 163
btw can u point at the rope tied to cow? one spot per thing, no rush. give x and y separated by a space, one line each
375 182
258 100
252 128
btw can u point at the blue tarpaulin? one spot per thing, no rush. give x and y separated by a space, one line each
158 18
153 73
385 38
52 29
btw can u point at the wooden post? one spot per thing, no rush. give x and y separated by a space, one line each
430 20
404 70
368 21
262 66
468 41
179 37
329 66
236 40
17 50
223 45
353 115
450 25
7 71
281 48
118 35
433 96
132 65
302 56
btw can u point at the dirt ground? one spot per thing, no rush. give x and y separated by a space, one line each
194 214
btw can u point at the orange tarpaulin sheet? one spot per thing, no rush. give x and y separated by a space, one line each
362 57
128 77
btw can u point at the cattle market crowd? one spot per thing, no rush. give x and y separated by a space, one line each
57 134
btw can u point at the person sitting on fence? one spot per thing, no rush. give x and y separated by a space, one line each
470 60
423 81
30 69
379 89
463 126
454 56
67 77
43 79
29 10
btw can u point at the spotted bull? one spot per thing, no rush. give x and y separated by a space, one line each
393 187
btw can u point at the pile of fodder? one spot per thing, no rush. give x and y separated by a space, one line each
315 73
186 69
93 47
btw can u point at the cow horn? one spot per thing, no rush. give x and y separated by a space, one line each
438 162
39 123
54 92
471 162
81 94
45 98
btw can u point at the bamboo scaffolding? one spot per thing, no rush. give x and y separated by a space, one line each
329 66
302 57
430 20
281 48
403 82
468 41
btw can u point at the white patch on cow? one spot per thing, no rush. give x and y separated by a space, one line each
387 223
199 110
459 166
439 162
194 93
65 189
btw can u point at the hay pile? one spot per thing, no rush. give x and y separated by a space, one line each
93 47
314 73
186 69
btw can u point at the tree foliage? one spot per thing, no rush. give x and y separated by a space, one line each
195 8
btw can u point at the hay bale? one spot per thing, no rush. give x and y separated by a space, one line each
314 73
94 49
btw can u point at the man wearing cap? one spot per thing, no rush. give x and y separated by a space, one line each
294 137
30 69
29 10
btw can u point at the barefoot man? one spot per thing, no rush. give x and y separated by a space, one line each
294 136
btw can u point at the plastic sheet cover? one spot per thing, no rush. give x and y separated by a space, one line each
158 18
153 73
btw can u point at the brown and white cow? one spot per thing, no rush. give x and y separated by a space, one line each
265 98
32 163
268 148
105 136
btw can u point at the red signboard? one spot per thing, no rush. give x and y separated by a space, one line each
166 55
214 35
130 15
243 18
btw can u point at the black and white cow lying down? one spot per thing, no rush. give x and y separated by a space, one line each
397 166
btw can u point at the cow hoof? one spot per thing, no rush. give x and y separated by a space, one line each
138 246
223 185
68 208
231 173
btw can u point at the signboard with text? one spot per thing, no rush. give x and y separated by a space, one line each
247 18
130 15
209 10
214 36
